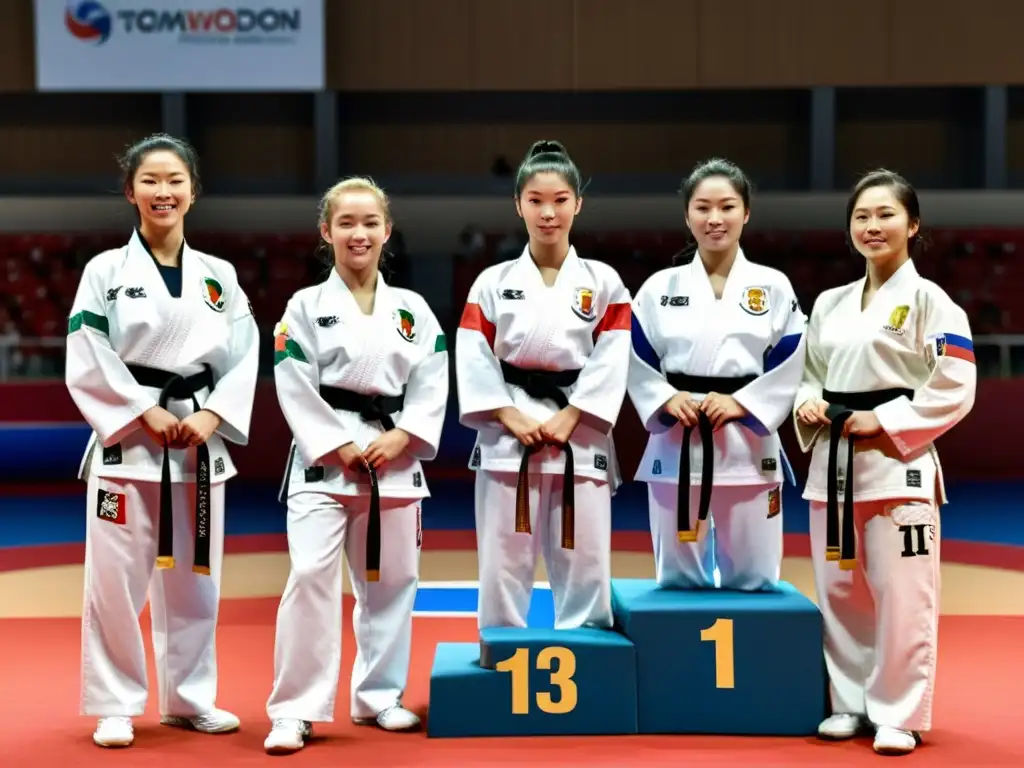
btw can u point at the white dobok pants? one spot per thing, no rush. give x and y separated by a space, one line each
120 566
745 544
580 578
307 653
881 619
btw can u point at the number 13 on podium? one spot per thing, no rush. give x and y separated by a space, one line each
518 665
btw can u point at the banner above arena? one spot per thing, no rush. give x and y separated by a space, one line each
179 45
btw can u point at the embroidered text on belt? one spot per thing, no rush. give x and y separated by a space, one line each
841 406
545 385
726 385
370 408
174 386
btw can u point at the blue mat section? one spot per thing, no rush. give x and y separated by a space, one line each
724 662
462 600
980 512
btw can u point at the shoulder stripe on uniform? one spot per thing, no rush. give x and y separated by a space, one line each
642 345
473 319
616 318
441 343
782 351
89 320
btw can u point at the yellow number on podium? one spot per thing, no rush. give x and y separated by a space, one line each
720 633
518 666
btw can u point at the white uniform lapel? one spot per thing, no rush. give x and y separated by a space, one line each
882 303
141 271
362 342
714 319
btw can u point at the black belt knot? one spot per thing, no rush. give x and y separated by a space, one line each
370 408
174 386
842 406
545 385
726 385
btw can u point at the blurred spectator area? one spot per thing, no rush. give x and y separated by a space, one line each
980 268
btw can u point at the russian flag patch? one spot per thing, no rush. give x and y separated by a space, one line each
952 345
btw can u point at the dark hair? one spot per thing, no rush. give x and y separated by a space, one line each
548 156
158 142
901 189
716 166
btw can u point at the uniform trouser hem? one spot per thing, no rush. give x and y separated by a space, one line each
308 636
121 578
881 618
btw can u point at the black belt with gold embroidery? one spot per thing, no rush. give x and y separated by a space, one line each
841 406
726 385
545 385
174 386
370 408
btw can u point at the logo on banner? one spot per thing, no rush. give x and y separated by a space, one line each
88 21
95 45
91 22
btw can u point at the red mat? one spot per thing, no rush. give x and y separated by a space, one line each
977 712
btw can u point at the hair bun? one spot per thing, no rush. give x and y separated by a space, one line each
547 146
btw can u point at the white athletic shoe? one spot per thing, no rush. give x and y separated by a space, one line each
893 741
841 726
214 721
394 718
287 735
114 732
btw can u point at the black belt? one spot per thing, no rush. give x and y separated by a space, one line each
174 386
545 385
726 385
841 406
370 408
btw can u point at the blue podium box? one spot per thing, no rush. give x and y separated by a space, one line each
724 662
534 682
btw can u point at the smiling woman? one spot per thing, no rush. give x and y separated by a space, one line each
162 358
890 363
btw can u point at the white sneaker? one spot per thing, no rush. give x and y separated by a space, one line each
114 732
893 741
841 726
287 735
394 718
214 721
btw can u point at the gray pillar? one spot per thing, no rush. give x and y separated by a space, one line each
325 140
994 137
174 115
823 138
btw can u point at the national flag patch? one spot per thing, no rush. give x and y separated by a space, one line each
953 345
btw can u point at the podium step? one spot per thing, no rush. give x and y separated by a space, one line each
724 662
534 682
